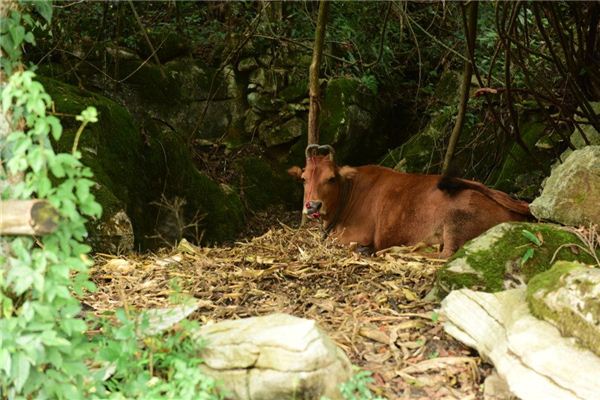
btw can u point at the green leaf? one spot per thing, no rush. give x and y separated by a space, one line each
73 325
7 307
29 38
5 361
20 370
55 125
17 33
531 237
528 254
82 189
57 168
36 160
44 8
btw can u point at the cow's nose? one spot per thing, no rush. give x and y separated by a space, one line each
313 206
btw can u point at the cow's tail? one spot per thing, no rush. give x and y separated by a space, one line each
454 185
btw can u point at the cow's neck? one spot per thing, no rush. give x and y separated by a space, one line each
345 193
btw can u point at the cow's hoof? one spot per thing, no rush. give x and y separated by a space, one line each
364 250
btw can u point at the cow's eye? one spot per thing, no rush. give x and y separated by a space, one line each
331 180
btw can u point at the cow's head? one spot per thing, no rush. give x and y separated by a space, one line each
322 180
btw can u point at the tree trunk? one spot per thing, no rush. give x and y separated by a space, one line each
313 75
470 35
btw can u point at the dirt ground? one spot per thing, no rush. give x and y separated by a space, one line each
371 306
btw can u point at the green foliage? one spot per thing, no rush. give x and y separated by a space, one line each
159 366
356 388
44 351
42 337
530 252
15 32
370 82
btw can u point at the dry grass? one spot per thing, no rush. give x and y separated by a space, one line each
371 306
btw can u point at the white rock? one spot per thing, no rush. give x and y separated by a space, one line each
529 354
275 357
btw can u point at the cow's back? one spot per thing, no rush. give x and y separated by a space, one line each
391 208
401 208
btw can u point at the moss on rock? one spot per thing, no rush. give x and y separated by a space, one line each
173 173
264 184
567 296
504 255
110 147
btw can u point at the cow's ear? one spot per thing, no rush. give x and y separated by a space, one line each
295 171
348 172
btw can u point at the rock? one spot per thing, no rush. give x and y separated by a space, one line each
265 79
294 92
220 120
495 388
215 209
520 173
247 64
263 103
251 122
505 256
529 354
114 234
265 60
591 134
112 148
168 45
418 154
348 123
274 357
571 193
567 296
265 184
283 133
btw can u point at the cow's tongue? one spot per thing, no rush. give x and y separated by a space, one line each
315 215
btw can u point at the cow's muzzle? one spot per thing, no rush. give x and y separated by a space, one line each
312 208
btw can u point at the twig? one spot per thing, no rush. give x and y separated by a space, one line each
148 42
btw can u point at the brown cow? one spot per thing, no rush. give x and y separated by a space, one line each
377 207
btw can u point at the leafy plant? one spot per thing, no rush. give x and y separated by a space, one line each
535 240
357 387
165 365
44 349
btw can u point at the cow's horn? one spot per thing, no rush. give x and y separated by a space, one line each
330 151
311 150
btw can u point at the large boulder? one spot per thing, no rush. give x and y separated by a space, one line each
571 193
279 133
211 210
134 169
423 152
507 255
274 357
529 354
264 182
112 149
567 296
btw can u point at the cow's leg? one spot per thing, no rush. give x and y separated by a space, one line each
450 243
457 228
